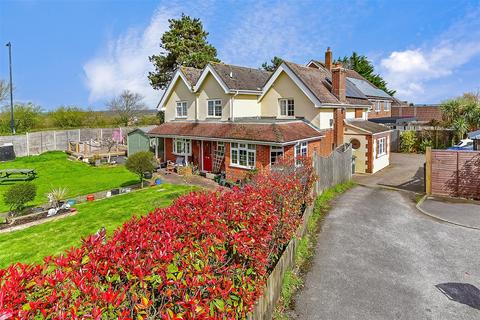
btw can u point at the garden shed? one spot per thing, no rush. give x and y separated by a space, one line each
138 140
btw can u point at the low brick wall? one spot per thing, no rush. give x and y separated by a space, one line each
266 304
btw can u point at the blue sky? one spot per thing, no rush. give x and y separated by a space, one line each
84 52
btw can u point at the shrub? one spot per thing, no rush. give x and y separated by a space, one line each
18 195
56 196
408 140
424 144
208 255
141 162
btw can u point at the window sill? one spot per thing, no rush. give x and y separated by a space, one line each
241 167
285 117
213 117
182 154
381 155
177 117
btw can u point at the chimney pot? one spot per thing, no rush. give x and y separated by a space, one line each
328 59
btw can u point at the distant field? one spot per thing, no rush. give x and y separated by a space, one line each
55 170
33 244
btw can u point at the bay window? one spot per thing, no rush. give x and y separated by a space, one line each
214 108
182 147
243 155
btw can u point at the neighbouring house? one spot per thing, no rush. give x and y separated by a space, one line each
382 102
475 136
232 119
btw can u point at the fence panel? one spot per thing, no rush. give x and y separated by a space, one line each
334 169
42 141
455 173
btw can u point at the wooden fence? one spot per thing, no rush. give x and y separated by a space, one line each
334 169
453 173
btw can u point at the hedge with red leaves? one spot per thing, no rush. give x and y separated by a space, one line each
207 256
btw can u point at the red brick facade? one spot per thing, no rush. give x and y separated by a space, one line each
372 114
421 113
338 126
322 147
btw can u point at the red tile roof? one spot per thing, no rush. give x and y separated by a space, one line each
264 132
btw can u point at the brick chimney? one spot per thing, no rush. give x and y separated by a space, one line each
328 59
339 82
338 126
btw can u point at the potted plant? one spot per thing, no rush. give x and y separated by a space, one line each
56 197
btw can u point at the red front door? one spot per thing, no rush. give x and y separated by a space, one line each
207 156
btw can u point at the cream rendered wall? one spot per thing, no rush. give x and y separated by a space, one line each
180 92
382 161
350 114
360 153
211 89
324 116
284 87
246 105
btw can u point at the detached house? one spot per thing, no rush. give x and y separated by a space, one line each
231 119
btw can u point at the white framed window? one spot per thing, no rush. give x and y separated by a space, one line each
276 153
182 147
221 146
181 110
243 155
378 107
287 107
386 106
381 146
301 150
214 108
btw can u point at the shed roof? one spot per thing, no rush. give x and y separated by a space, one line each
367 126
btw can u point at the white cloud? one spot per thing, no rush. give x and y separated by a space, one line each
124 63
414 72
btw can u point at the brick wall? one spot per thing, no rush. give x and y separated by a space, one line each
339 126
234 173
372 114
421 113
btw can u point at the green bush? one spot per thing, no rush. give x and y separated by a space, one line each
424 144
18 195
408 140
141 162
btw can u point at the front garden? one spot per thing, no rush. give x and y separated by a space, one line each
54 170
206 256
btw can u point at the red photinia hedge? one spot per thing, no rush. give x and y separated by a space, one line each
206 256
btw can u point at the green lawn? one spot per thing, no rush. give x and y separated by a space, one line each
51 238
55 170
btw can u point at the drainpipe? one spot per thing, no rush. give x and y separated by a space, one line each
232 99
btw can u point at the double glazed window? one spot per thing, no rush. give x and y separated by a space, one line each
386 106
287 107
214 108
378 106
182 146
181 109
242 155
300 151
276 153
381 146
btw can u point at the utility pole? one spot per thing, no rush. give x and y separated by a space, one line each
12 121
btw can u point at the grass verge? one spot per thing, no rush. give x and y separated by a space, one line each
293 280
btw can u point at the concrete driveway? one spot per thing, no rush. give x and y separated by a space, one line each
379 258
405 172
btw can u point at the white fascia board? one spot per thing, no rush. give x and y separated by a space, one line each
283 67
168 91
210 69
314 63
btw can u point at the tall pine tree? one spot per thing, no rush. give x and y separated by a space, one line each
184 44
365 68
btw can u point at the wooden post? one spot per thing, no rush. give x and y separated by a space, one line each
428 170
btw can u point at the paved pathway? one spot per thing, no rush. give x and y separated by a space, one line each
456 211
379 258
405 172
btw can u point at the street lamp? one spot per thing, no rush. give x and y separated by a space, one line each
12 121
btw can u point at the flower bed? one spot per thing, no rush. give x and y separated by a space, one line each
206 256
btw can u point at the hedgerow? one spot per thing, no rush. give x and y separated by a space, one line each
207 256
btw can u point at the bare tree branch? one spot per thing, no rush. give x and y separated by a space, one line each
126 105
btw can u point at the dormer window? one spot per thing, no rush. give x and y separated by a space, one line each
214 108
287 107
181 109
